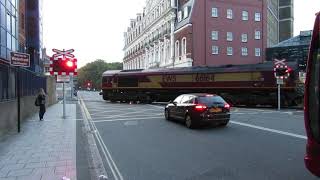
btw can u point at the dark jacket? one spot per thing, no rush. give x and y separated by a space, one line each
41 99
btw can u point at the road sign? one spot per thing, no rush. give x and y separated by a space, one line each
61 79
280 62
63 53
280 81
20 59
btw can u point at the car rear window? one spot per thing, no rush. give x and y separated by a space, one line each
210 100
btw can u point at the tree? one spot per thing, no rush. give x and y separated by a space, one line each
93 72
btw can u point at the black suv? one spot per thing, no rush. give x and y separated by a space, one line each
199 108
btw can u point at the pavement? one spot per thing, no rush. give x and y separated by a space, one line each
137 143
44 150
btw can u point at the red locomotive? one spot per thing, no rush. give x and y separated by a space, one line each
239 84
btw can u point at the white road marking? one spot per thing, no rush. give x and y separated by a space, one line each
125 116
131 123
129 113
159 107
115 171
126 119
101 112
269 130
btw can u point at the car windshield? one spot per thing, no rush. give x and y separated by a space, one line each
210 100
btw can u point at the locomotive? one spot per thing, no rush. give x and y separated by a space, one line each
248 85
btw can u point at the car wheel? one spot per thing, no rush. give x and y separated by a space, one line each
167 114
224 124
189 122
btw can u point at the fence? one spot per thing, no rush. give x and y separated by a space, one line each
29 82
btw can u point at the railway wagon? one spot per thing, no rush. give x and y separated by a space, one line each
238 84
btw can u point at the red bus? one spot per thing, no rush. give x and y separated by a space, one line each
312 100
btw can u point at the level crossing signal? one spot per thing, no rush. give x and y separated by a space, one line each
63 63
281 70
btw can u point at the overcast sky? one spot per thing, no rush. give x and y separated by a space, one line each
95 28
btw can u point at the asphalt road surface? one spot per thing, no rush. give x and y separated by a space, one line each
137 143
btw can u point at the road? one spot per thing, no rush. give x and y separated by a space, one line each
138 143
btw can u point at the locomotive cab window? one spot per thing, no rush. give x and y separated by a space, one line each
314 100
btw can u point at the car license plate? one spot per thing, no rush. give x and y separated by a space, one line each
215 110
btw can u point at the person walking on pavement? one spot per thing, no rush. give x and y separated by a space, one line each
41 102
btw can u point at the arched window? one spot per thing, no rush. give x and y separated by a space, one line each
184 46
177 49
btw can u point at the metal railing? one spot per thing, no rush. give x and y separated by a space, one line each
30 82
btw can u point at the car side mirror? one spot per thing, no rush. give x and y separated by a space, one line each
175 103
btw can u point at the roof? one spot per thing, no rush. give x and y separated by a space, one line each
200 94
303 39
188 19
267 66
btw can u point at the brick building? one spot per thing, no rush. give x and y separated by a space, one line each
183 33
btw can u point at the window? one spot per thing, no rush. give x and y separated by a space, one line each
215 50
229 36
210 100
179 16
257 52
229 14
184 46
257 16
177 52
245 15
229 51
8 41
186 12
3 37
13 23
178 99
8 22
3 52
186 99
214 12
257 35
244 51
244 38
215 35
3 15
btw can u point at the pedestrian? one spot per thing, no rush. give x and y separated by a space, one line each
41 102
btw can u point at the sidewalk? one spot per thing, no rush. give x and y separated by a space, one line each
44 150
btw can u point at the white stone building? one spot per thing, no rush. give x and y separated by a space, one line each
149 41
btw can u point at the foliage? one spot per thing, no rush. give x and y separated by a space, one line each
93 72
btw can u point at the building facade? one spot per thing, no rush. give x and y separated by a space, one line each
184 33
273 22
286 19
9 32
33 34
149 40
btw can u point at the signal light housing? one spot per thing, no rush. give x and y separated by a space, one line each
282 72
63 66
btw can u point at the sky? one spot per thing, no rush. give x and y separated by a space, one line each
95 28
